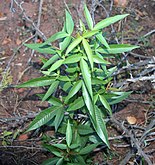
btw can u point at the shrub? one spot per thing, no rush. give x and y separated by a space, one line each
77 75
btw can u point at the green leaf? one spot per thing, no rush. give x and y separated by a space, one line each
66 86
86 76
43 60
90 33
69 23
105 104
100 60
50 161
71 70
74 44
68 134
64 44
63 78
60 162
95 98
53 150
88 149
88 17
50 61
99 126
43 117
37 82
41 48
85 129
87 100
76 87
73 146
52 100
81 160
58 118
117 48
77 104
117 99
82 26
57 36
102 40
60 146
56 65
108 21
88 52
51 90
72 59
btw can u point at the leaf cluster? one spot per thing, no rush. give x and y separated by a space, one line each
77 75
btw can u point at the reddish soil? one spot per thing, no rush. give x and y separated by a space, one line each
15 104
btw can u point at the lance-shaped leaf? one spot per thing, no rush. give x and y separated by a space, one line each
90 33
76 87
52 100
60 161
64 44
56 36
117 48
37 82
43 117
102 40
88 17
121 96
82 26
86 76
74 44
88 101
68 134
72 59
56 65
77 104
60 146
105 104
80 160
52 149
100 60
50 61
69 23
51 90
99 126
41 48
85 129
66 86
88 52
58 118
88 149
50 161
108 21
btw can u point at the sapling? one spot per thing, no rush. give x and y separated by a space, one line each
77 77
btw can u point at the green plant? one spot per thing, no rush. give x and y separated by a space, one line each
78 78
6 79
6 135
74 145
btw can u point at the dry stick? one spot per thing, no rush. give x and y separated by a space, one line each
147 130
149 33
40 33
23 147
139 55
127 157
133 140
38 25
